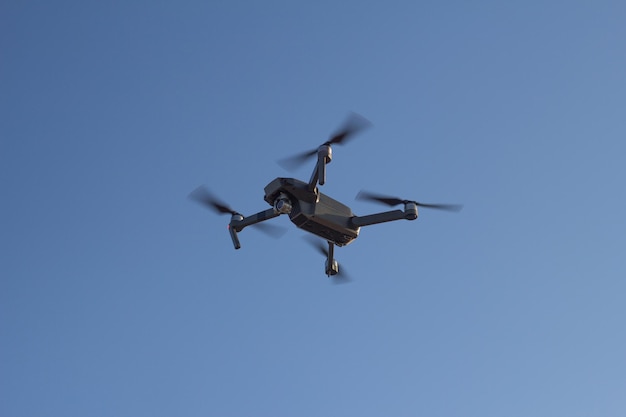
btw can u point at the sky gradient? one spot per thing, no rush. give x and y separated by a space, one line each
121 297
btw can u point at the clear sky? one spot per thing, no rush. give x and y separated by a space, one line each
120 297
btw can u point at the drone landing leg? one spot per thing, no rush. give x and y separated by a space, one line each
332 267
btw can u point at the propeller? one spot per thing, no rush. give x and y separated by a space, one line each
353 124
203 196
394 201
270 229
341 277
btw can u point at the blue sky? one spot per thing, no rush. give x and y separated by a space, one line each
120 297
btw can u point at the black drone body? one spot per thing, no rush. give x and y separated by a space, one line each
311 210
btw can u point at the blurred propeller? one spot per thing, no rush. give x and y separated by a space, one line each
203 196
353 124
270 229
317 244
394 201
341 277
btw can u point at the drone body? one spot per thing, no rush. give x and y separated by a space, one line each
313 211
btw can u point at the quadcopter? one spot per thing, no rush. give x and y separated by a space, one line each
311 210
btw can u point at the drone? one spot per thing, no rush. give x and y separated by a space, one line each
313 211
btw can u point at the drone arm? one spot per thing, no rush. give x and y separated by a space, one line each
238 222
233 236
324 156
321 170
315 175
387 216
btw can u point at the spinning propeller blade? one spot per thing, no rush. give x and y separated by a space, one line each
317 244
270 229
394 201
293 162
203 196
353 124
